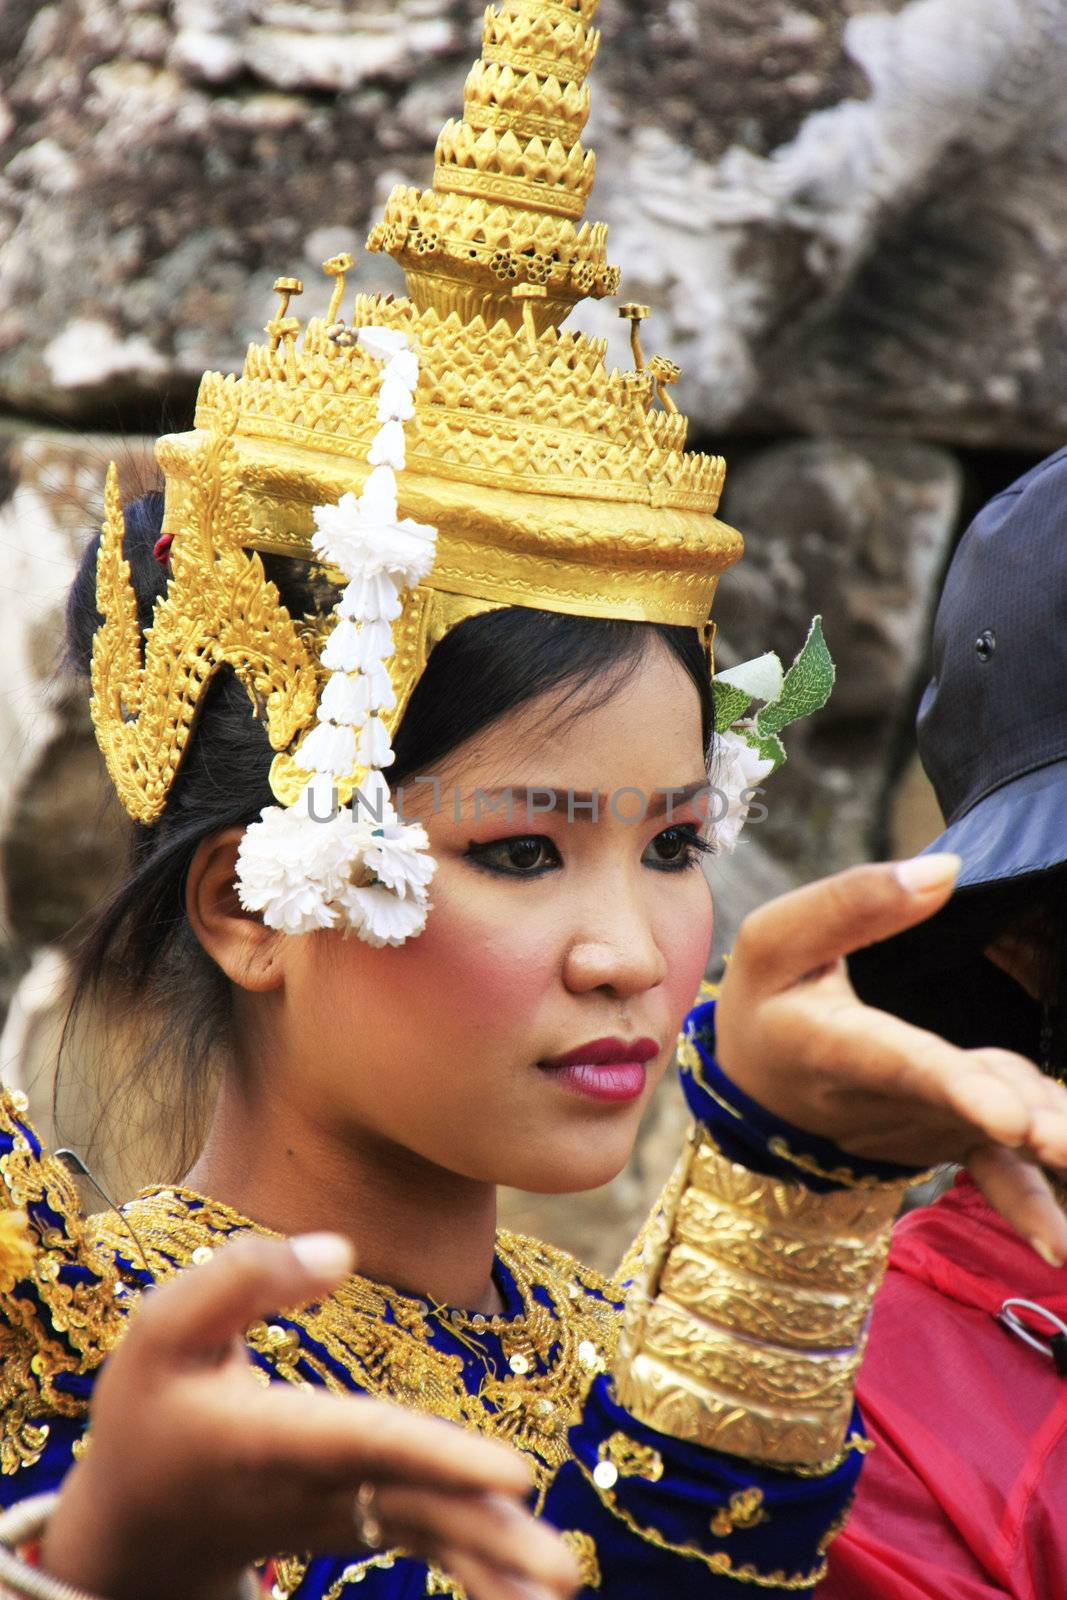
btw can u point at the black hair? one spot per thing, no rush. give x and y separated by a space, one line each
138 952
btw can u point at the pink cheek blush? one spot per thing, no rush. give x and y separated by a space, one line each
475 975
687 959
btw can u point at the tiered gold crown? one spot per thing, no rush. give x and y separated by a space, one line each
554 482
511 180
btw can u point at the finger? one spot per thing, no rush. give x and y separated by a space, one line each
1010 1100
1046 1100
483 1581
350 1439
489 1526
1047 1139
876 1053
1021 1193
203 1309
816 926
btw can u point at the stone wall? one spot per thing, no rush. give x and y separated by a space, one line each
849 216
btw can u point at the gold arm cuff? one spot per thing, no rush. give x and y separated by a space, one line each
746 1330
790 1207
742 1240
756 1308
675 1403
743 1372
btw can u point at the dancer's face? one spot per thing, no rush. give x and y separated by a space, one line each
549 933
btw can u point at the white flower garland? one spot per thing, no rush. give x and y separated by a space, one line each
358 867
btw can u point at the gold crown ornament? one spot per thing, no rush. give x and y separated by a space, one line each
530 475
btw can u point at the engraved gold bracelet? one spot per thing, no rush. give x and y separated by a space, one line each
746 1326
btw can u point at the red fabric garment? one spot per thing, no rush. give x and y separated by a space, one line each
965 1495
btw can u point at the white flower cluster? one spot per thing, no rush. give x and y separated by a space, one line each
360 868
739 772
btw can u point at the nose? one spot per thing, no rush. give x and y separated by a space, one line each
620 955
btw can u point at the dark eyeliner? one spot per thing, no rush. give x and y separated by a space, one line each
696 846
478 854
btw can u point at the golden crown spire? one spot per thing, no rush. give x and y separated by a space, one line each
511 179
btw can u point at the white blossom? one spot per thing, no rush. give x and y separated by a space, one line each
372 802
374 748
381 918
368 600
346 699
328 748
396 403
761 678
380 687
403 368
738 770
385 343
374 645
364 544
291 869
389 448
378 497
399 857
341 651
307 867
370 597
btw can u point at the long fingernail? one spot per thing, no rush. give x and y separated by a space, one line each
1046 1252
327 1255
925 874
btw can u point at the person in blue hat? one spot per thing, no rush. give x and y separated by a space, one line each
965 1385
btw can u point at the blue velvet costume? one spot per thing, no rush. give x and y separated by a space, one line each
669 1518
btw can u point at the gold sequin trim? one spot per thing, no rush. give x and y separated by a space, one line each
630 1459
841 1175
582 1547
744 1510
86 1314
382 1339
717 1561
357 1571
688 1058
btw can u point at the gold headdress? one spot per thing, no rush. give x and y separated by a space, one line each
552 482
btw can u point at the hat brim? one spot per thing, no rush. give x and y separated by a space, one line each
935 974
1018 830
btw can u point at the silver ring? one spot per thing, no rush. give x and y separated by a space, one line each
368 1527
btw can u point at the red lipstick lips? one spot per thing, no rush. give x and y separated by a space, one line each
605 1069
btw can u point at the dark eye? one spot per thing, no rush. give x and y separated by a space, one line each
676 849
525 857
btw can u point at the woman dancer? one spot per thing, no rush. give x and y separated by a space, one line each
531 669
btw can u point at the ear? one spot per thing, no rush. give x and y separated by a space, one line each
236 939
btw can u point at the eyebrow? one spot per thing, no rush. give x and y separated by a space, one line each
658 802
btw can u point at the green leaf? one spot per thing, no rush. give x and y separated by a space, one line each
730 705
808 685
767 746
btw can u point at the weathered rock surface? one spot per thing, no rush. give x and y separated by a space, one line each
850 215
859 533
